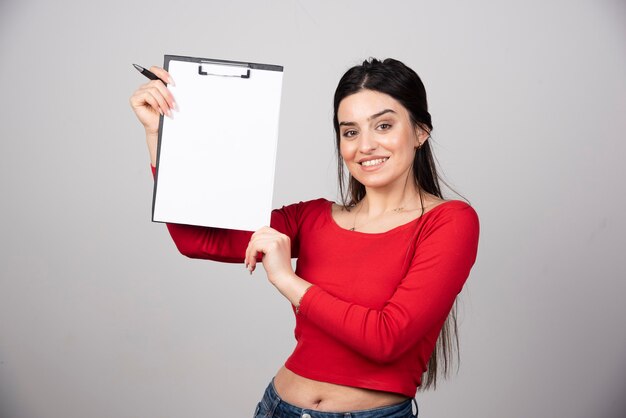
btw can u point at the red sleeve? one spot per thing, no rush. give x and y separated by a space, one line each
423 299
228 245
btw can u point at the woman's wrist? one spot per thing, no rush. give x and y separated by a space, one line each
292 287
302 297
152 140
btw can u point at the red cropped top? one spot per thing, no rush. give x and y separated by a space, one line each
379 300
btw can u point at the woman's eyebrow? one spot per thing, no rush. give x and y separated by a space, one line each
374 116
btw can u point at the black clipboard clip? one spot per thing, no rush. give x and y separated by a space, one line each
237 71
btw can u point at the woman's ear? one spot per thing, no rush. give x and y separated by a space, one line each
421 136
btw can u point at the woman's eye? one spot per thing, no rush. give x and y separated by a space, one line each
349 134
384 126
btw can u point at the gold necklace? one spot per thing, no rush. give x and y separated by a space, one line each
395 210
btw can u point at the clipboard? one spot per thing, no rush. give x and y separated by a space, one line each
217 153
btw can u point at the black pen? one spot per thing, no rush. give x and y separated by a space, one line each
148 73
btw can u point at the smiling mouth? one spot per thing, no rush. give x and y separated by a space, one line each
371 163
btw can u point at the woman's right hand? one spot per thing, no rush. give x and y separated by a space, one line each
150 101
153 99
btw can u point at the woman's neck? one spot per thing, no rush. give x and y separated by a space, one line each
379 201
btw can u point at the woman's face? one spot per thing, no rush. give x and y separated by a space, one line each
377 139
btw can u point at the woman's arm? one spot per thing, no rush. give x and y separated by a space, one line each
423 299
229 245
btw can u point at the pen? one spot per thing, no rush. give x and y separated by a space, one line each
148 73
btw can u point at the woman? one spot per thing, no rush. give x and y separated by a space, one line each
377 275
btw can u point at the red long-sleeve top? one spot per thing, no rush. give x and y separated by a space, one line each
379 300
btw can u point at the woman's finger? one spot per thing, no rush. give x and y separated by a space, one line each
156 97
165 93
162 74
251 256
165 107
160 92
257 245
152 101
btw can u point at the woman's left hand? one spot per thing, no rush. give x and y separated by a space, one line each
276 250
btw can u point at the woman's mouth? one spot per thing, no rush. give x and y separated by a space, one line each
372 163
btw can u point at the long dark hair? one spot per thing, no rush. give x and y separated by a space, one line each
397 80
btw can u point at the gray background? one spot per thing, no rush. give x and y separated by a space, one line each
101 317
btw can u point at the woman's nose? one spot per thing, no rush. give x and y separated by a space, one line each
367 143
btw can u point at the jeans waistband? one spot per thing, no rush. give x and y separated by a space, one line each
275 407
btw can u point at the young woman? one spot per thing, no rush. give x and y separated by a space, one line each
377 275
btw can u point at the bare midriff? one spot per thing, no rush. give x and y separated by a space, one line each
329 397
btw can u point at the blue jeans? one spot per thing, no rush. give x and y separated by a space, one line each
271 406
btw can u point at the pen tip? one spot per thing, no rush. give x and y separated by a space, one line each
138 67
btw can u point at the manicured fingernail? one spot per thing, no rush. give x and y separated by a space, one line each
174 105
170 80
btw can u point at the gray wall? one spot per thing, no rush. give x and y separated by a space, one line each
101 317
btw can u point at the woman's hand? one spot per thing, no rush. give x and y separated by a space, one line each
153 99
150 101
276 250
